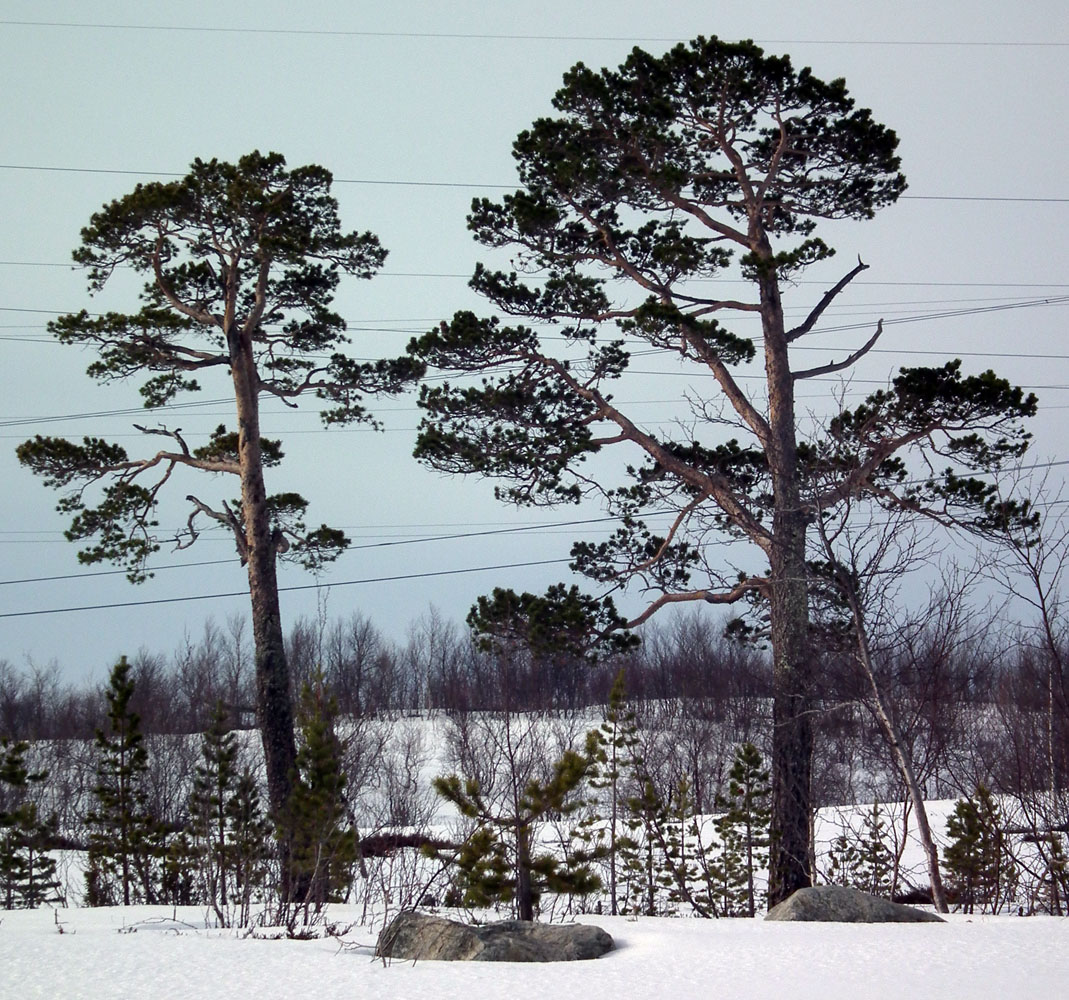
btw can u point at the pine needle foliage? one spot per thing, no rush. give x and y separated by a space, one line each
613 750
125 840
317 827
27 872
980 869
230 833
498 862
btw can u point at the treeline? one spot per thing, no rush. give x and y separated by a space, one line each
981 715
973 708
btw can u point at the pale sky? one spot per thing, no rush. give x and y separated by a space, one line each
426 99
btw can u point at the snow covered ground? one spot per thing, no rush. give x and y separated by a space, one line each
144 953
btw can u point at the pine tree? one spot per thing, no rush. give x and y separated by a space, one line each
979 867
498 862
842 861
27 873
647 181
613 750
214 783
744 827
725 872
231 836
1057 873
863 860
638 854
682 854
316 827
875 861
179 867
249 846
663 858
125 841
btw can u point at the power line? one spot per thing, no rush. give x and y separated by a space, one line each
515 529
514 36
1056 300
704 281
363 324
922 317
467 185
349 583
282 590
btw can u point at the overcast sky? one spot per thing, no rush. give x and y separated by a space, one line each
414 107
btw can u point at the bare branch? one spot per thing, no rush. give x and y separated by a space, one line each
838 366
226 517
829 296
176 434
731 596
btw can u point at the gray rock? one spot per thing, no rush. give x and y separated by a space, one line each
417 936
849 906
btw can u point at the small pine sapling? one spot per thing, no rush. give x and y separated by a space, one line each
27 872
613 751
125 840
842 861
875 860
498 861
976 858
230 835
319 835
744 826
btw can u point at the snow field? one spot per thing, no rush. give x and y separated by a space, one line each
144 953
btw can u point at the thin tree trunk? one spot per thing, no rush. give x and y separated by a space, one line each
524 894
898 750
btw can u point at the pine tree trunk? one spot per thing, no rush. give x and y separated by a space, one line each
524 894
274 705
792 736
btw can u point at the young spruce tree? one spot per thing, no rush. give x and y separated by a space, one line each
27 873
321 839
125 841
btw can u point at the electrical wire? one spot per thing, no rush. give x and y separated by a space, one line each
514 36
468 185
283 590
352 548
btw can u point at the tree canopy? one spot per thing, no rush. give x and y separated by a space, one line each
242 262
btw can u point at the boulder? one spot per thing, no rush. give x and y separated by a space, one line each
848 906
418 936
